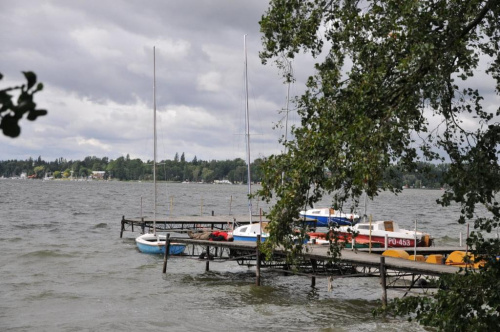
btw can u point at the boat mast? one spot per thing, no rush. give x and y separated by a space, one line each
287 104
286 119
247 123
154 138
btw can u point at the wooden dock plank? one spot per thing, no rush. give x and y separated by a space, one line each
359 258
398 264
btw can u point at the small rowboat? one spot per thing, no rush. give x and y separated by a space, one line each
155 244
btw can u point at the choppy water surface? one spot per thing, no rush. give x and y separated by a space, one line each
63 266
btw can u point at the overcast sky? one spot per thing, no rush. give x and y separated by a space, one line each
95 59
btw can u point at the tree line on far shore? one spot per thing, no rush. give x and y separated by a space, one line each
127 169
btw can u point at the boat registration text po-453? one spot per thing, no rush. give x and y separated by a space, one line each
399 242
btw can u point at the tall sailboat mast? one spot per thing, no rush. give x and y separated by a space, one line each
286 119
247 123
154 124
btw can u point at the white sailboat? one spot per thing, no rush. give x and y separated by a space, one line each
153 243
248 232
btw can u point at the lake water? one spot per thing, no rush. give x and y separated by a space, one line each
64 267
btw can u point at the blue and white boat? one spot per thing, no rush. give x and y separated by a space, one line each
324 217
250 232
156 244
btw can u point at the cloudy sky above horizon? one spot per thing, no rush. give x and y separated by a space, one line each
96 63
95 60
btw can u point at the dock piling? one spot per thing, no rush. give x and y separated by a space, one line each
257 267
123 227
383 281
167 249
314 264
207 266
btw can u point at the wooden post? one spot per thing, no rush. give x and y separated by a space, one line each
143 226
167 249
123 226
207 266
257 268
314 264
466 242
415 244
370 236
383 281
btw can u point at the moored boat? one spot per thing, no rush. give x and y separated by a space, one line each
378 231
156 244
322 239
250 232
323 217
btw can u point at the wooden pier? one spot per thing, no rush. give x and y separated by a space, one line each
182 224
390 270
358 257
315 262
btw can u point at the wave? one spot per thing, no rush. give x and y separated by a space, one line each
47 254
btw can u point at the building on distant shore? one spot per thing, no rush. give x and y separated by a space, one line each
222 182
98 175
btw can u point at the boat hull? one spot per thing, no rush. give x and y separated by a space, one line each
396 237
324 217
359 243
321 221
392 241
150 244
247 238
250 232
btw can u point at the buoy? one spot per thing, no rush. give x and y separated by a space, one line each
458 258
418 258
434 259
398 253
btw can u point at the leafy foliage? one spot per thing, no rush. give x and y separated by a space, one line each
459 304
384 69
11 112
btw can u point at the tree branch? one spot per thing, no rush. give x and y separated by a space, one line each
478 19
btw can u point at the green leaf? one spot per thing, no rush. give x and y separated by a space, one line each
10 126
31 78
32 115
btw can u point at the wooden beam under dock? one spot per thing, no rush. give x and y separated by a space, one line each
357 258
